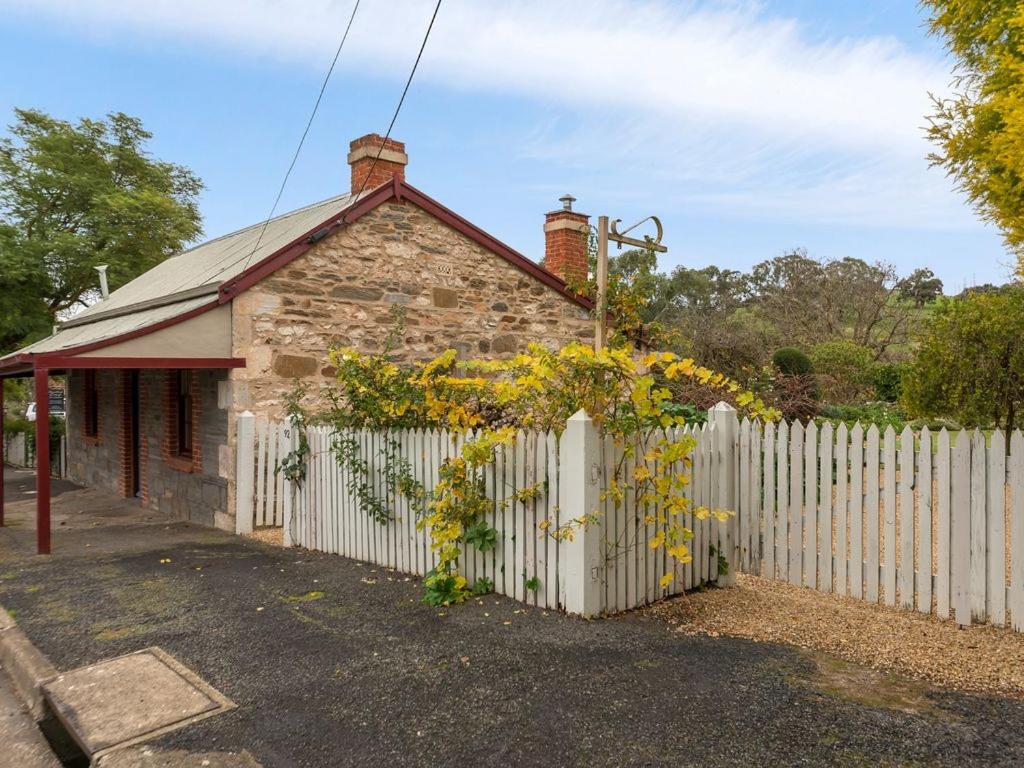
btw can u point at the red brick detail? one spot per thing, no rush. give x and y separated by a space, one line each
382 171
565 250
88 439
124 437
169 414
143 439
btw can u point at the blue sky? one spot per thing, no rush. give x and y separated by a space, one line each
749 128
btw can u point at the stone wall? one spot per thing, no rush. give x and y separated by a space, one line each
456 294
94 462
197 492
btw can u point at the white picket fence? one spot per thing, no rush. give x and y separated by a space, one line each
607 566
931 523
19 451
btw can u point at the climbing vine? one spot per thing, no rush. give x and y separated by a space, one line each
488 401
485 403
293 464
397 474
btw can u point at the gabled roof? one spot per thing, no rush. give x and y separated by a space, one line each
208 275
217 260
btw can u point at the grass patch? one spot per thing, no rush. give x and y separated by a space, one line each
869 687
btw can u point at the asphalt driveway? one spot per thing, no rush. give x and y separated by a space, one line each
334 663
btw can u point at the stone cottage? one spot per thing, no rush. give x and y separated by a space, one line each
158 371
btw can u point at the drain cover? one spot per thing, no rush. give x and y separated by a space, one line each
130 699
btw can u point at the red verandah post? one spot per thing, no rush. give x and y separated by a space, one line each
2 456
42 461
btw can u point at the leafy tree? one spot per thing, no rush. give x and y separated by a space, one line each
708 309
73 196
921 287
811 301
970 365
979 132
844 369
985 288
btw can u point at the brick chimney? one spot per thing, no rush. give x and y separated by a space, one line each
566 233
392 161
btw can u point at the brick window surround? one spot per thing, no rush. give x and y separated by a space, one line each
125 447
170 446
91 426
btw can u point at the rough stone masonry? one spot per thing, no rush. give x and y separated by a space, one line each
456 295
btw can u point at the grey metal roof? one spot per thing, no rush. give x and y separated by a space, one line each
217 260
110 328
185 281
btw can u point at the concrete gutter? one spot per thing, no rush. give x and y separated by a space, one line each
22 742
24 669
25 664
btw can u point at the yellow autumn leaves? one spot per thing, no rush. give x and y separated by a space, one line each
488 402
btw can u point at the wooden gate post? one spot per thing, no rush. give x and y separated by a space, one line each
723 418
582 572
245 486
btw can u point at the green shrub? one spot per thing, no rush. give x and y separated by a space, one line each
15 424
792 362
970 361
844 369
888 381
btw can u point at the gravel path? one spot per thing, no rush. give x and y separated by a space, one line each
978 658
333 663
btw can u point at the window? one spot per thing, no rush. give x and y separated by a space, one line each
183 413
91 416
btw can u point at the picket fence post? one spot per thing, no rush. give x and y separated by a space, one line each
245 485
726 422
579 489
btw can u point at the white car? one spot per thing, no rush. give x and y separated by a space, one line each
30 412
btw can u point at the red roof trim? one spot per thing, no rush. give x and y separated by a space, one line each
402 191
143 362
44 356
45 359
493 244
19 364
395 189
283 256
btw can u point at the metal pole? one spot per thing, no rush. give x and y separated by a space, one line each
42 461
600 323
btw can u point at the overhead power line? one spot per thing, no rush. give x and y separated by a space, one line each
309 123
401 101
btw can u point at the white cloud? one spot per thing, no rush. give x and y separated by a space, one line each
724 98
677 59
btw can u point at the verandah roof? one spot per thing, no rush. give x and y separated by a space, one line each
181 285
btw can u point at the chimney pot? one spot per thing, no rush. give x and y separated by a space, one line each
370 169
